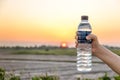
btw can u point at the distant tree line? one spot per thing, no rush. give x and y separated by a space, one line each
45 47
30 47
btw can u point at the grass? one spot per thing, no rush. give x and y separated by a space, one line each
2 73
13 77
45 77
49 51
105 77
58 51
115 50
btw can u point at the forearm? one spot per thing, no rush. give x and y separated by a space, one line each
111 59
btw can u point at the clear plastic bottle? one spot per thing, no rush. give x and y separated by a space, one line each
84 54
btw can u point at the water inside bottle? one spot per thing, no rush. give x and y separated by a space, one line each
84 58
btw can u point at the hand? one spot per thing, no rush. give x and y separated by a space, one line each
95 44
110 58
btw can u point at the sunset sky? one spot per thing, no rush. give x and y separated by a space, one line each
55 21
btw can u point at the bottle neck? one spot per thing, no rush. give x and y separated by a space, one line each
84 21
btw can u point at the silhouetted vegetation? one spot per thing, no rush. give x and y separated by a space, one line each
11 76
29 47
46 77
2 74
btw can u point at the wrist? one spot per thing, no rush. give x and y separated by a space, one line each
97 50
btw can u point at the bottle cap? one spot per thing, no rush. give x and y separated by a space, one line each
84 17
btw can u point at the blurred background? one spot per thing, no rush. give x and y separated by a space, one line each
37 37
51 22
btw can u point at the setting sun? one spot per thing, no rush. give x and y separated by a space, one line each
64 45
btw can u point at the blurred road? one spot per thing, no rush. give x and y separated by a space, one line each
64 66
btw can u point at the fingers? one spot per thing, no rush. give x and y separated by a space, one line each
94 39
76 45
76 37
76 42
91 37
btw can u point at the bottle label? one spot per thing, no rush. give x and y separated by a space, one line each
82 36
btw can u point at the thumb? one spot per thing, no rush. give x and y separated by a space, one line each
91 37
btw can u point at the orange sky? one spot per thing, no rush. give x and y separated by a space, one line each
56 21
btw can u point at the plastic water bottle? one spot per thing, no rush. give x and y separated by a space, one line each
84 54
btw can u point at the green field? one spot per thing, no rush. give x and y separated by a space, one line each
39 51
117 51
58 51
48 51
